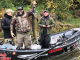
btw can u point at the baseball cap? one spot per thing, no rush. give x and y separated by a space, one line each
20 8
45 11
9 10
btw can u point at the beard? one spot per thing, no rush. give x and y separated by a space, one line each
18 13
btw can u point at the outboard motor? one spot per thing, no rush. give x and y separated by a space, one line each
63 36
74 31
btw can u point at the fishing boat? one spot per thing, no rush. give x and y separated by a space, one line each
61 43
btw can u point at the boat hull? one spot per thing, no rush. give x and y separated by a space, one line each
38 54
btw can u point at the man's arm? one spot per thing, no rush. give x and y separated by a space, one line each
40 23
33 9
30 13
11 26
52 22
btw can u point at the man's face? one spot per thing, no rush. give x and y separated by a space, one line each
46 13
20 11
10 13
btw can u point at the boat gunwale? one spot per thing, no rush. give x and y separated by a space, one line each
38 50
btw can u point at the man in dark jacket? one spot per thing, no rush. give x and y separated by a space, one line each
45 24
5 24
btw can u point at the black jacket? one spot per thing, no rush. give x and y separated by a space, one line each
5 24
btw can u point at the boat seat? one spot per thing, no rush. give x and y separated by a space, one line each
68 34
54 40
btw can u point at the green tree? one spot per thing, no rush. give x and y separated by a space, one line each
6 4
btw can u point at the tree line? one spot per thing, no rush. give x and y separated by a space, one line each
63 8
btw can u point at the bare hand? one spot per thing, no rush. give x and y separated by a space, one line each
48 26
44 25
34 2
12 34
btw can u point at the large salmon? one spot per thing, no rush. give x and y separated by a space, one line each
34 24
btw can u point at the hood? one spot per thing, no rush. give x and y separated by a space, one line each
7 16
45 17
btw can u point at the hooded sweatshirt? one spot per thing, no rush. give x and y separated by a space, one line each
5 24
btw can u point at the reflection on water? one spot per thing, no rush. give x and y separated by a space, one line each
69 56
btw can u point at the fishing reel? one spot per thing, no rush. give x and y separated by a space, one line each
1 42
46 25
10 42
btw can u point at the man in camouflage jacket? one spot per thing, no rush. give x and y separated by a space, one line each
22 22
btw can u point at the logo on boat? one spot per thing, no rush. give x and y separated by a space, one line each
3 57
55 50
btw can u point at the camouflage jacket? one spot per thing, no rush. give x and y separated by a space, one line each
22 23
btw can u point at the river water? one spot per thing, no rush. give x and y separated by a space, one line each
73 55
